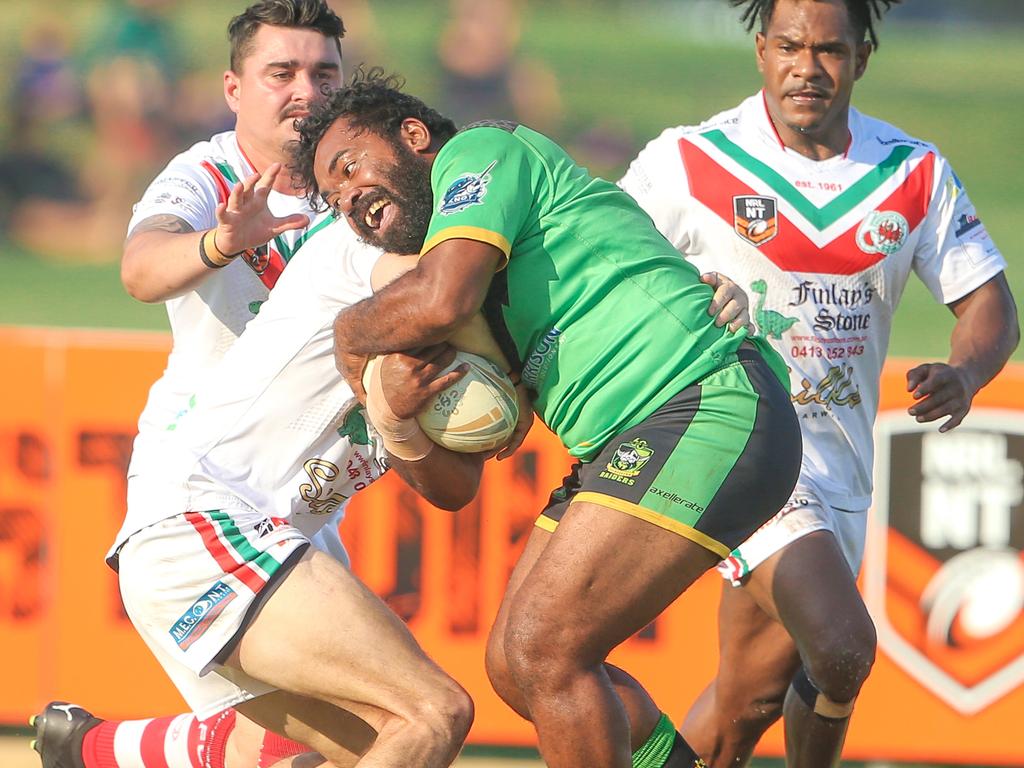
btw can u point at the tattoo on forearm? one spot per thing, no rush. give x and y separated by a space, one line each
164 222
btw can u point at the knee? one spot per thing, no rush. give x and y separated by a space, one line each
538 657
445 714
497 667
840 660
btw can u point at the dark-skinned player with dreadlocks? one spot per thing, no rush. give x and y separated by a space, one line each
822 211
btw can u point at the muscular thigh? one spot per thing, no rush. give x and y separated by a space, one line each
342 643
603 576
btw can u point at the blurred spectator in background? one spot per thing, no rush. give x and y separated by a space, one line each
44 92
482 74
124 86
365 46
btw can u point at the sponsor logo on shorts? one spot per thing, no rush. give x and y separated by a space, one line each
675 498
469 189
755 218
944 576
629 459
197 619
882 232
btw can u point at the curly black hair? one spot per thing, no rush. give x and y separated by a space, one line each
862 14
372 101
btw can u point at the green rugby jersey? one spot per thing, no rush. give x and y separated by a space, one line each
605 319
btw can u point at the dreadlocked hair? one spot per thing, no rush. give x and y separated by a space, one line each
862 14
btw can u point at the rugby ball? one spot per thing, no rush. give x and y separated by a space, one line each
477 413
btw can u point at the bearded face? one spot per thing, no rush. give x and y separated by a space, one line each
394 214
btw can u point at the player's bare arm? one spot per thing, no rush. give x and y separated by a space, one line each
164 257
424 306
984 337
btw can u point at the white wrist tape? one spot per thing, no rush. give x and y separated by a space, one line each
403 438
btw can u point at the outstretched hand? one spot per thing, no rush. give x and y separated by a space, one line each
245 221
729 304
940 390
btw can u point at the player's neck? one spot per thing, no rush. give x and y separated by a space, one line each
260 155
817 145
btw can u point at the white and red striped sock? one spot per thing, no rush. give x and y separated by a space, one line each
276 748
181 741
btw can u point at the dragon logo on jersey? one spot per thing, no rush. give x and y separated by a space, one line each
882 232
755 218
469 189
944 570
353 426
627 462
770 323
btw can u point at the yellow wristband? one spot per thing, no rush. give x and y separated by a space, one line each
212 256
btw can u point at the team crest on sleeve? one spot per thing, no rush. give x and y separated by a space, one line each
469 189
882 232
755 218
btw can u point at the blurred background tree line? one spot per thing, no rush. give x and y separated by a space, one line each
100 94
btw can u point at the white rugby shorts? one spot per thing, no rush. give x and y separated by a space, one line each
805 512
189 585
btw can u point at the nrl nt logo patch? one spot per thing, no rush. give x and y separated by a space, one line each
755 218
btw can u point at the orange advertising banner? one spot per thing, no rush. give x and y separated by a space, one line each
943 573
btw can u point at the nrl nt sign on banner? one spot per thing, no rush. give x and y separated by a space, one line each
944 569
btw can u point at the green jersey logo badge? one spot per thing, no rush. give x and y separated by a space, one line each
629 459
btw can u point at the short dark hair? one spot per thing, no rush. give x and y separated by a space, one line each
862 14
372 101
301 14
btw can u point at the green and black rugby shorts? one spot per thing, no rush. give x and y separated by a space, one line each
713 464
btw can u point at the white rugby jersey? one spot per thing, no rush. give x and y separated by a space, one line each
273 427
824 250
206 321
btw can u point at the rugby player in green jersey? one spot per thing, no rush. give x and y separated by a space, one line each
683 429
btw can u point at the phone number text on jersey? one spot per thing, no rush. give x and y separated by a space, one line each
826 353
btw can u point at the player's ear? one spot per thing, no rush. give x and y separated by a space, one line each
863 54
232 86
416 135
760 41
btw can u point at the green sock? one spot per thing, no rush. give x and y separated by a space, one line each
654 752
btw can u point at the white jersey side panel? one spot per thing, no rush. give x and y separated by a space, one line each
273 426
206 321
824 249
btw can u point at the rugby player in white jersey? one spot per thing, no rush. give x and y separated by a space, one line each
823 212
214 562
209 237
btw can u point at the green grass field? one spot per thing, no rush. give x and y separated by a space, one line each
635 70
